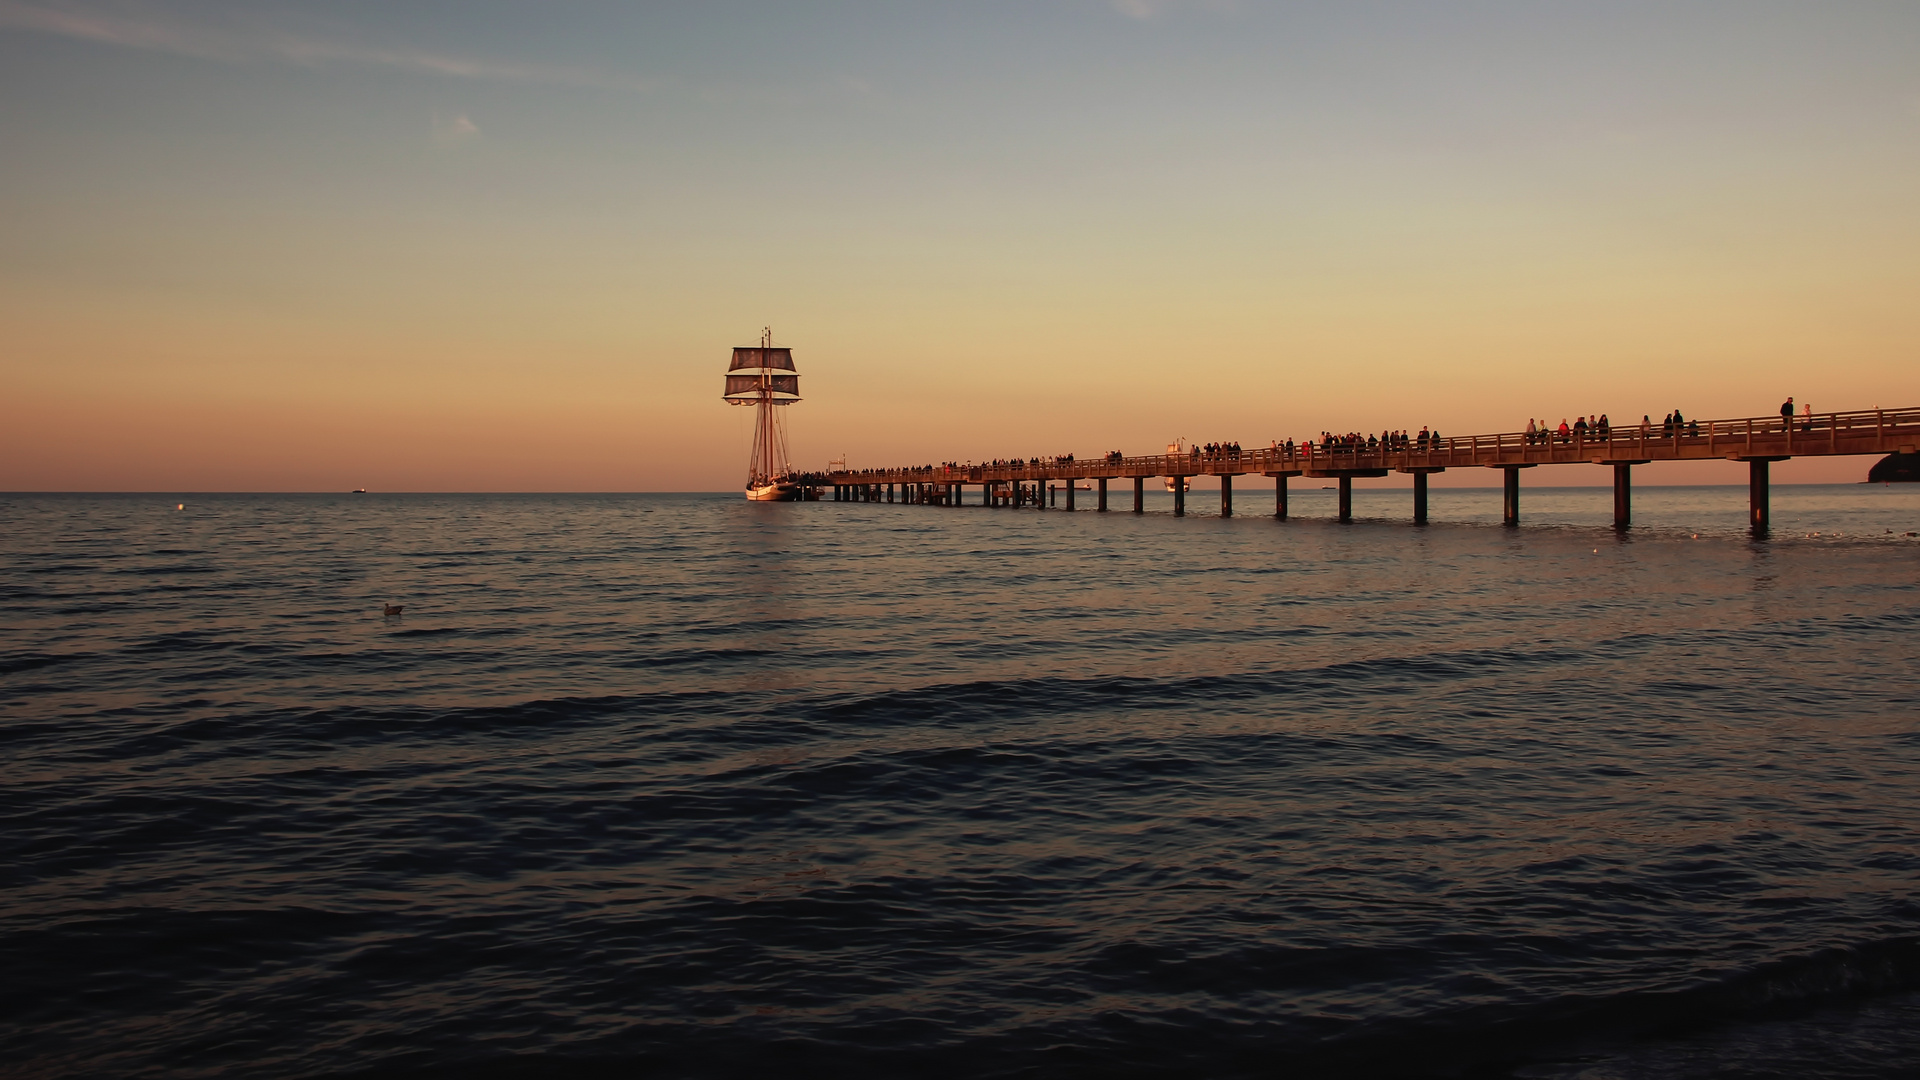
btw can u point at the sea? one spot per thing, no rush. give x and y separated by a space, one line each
683 786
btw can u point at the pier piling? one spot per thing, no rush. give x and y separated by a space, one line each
1346 498
1103 495
1280 497
1139 494
1226 496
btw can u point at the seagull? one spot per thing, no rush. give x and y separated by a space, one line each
394 609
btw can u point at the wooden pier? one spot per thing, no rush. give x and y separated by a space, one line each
1758 441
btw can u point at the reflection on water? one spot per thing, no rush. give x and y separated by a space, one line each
693 784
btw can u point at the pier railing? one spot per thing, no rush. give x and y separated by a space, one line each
1867 431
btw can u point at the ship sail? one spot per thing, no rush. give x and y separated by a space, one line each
764 377
752 358
746 388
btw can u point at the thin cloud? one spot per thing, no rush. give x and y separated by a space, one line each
238 45
1147 9
454 131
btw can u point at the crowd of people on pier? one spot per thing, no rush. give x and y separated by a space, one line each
1600 429
1354 442
1217 451
1582 429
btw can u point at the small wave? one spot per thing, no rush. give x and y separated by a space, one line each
13 664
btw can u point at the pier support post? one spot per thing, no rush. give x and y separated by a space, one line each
1226 496
1757 493
1419 498
1069 492
1346 498
1179 496
1103 494
1139 494
1510 497
1622 496
1280 497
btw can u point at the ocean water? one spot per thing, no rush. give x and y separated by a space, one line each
683 786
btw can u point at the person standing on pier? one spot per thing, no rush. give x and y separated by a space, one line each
1786 415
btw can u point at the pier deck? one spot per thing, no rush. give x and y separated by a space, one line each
1755 440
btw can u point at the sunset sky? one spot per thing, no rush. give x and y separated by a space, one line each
484 246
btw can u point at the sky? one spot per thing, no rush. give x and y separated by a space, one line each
484 246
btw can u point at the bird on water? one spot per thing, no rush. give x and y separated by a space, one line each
393 609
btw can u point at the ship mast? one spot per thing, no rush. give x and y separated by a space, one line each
765 378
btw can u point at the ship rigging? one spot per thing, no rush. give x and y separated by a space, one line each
764 377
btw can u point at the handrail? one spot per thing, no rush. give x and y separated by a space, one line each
1763 435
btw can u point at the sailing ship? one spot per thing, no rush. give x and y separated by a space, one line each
764 377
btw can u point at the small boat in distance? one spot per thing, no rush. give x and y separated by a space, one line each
358 491
764 377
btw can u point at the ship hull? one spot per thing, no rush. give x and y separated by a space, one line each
775 492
